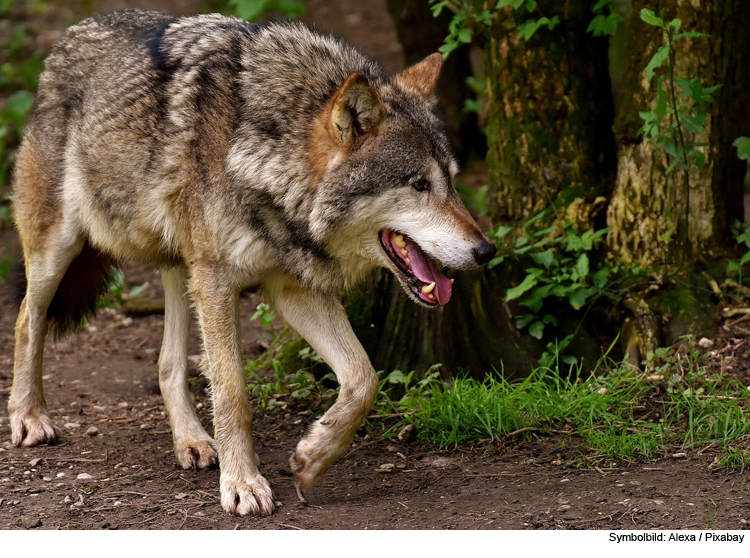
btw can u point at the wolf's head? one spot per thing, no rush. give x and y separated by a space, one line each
386 173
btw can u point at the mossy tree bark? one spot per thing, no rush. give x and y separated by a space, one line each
647 214
550 121
550 114
420 35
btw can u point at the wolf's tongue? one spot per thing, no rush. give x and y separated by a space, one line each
426 271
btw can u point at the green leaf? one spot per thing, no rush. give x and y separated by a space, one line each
600 5
464 35
531 5
742 144
578 298
544 258
527 29
536 330
657 60
693 123
669 146
503 3
17 107
528 283
496 261
700 158
524 320
500 232
535 300
674 24
649 17
397 377
561 291
549 319
603 25
691 35
661 103
582 266
601 277
745 259
676 163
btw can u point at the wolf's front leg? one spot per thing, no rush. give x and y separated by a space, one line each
322 321
243 488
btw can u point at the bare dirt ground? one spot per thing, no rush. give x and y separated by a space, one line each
114 467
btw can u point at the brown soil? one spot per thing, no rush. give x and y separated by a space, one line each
105 377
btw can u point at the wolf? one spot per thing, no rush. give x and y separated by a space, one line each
228 155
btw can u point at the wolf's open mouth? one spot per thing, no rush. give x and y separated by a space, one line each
421 274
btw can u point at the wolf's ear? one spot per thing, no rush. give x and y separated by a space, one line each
356 110
422 76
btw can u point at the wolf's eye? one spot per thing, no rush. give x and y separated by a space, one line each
421 185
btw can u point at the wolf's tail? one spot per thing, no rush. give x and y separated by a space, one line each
87 278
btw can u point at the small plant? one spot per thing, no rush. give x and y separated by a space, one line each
605 20
742 236
19 75
472 18
742 144
116 295
289 381
397 392
678 118
675 114
559 268
266 315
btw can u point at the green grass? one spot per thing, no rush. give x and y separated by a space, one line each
617 412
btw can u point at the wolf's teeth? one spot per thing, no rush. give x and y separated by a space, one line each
405 252
427 289
431 296
408 261
452 281
399 240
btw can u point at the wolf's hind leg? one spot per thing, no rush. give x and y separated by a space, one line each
45 268
322 321
194 448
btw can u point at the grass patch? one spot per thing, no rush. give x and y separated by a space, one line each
621 414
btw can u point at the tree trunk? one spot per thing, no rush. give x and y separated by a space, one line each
472 334
420 35
650 224
550 114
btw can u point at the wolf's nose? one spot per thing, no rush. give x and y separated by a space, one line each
484 252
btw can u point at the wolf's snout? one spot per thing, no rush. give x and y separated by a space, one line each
484 252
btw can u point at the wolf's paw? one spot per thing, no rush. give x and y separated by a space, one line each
32 428
308 465
196 454
251 496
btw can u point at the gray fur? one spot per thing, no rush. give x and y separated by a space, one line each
140 90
